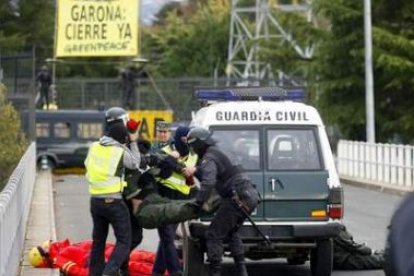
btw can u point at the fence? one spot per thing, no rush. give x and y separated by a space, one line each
99 93
18 71
164 93
15 202
384 165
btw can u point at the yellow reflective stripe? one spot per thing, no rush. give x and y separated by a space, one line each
67 266
111 185
176 178
184 189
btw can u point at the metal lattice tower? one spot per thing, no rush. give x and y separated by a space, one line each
243 51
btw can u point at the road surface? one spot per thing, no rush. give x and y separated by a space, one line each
367 214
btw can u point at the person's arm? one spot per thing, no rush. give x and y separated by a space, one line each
208 179
132 156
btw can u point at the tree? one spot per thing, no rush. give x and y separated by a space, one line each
34 26
339 68
193 46
12 141
394 69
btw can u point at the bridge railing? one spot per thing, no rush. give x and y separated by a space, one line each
15 201
384 165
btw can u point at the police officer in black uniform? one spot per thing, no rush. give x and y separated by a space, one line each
237 192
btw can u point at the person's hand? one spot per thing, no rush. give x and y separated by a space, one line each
196 205
135 205
133 137
175 154
189 171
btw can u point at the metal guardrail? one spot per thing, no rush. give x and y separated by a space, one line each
15 201
384 165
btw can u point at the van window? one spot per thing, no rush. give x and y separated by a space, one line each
242 145
89 130
61 130
293 149
42 130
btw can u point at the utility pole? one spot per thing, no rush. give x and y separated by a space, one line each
369 75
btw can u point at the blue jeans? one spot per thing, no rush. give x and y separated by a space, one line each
167 255
107 212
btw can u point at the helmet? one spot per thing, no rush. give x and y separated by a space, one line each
116 113
37 257
200 134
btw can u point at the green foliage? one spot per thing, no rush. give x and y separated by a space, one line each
12 141
338 68
337 73
190 46
35 26
281 54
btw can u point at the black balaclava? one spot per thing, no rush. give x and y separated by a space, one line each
199 147
181 146
118 132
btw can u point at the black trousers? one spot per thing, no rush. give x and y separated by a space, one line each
136 236
107 212
223 228
44 94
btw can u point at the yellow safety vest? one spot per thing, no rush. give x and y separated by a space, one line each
101 165
177 180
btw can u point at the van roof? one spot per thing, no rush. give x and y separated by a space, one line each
257 113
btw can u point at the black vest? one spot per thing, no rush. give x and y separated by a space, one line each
227 172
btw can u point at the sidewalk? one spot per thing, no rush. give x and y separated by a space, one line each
40 224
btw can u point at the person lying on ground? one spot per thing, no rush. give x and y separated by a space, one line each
350 255
72 259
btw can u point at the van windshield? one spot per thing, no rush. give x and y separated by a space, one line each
292 149
241 145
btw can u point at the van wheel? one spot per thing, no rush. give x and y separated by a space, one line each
45 163
321 260
195 259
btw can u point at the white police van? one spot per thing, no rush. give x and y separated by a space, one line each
284 148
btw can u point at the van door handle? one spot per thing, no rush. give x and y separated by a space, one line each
273 182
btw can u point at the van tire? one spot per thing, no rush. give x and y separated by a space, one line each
50 163
195 262
321 261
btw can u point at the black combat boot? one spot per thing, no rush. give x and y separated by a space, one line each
240 263
214 269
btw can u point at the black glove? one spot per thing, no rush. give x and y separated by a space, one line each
144 146
172 163
153 160
196 205
165 170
